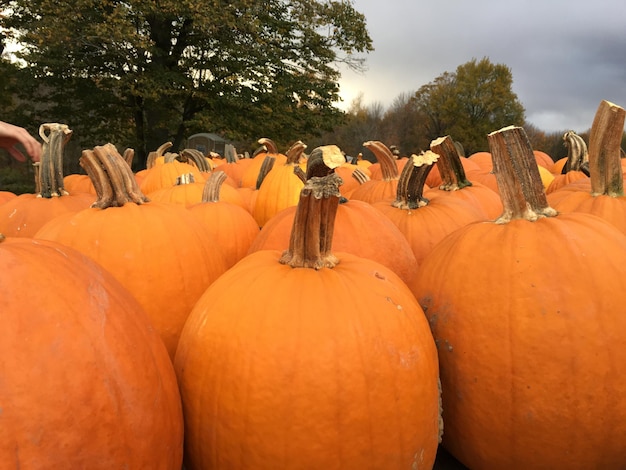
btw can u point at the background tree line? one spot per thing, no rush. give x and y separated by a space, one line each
140 73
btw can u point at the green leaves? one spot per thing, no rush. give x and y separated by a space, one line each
166 66
470 103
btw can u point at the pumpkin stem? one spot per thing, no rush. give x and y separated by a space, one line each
410 192
129 155
360 175
450 167
605 139
311 238
388 165
323 160
268 144
300 173
55 137
295 153
230 153
213 186
185 178
197 158
519 183
577 154
152 156
111 176
268 164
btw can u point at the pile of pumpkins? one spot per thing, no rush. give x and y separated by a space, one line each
283 311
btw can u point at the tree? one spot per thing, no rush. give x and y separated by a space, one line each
470 103
152 71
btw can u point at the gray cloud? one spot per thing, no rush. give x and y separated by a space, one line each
565 56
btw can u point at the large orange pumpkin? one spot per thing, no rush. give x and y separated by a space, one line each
527 313
159 251
85 381
308 359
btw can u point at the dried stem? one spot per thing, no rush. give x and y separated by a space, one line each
312 231
449 164
213 186
388 165
517 175
112 177
605 141
55 137
323 160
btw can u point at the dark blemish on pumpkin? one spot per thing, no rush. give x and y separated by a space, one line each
379 276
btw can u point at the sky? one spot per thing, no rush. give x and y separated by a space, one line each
565 56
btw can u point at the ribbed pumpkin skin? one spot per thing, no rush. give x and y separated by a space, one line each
85 382
300 368
24 215
157 250
531 332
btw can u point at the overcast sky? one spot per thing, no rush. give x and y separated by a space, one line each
565 55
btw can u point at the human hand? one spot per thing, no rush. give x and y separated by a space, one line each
10 135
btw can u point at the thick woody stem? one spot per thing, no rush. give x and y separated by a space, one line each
449 164
112 178
213 186
152 156
270 146
517 175
577 154
128 155
360 175
410 192
295 152
55 137
388 165
197 158
312 231
230 153
605 141
323 160
268 164
104 191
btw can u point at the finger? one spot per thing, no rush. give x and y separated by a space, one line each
15 153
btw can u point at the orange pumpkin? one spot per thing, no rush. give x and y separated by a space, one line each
279 187
230 227
528 346
86 381
308 359
268 148
383 188
426 221
157 250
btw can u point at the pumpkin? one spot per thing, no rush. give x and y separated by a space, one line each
166 174
321 359
229 226
527 313
383 188
425 221
268 148
280 186
6 196
25 214
86 381
159 251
